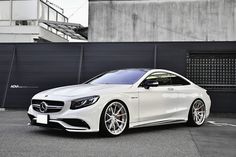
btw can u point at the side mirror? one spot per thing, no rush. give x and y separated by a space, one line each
147 85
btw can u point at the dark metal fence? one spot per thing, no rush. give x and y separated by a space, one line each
26 69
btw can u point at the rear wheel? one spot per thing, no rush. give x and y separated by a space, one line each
114 119
197 113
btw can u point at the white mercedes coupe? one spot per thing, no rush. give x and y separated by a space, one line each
117 100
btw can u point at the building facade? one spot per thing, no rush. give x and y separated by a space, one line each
34 21
162 20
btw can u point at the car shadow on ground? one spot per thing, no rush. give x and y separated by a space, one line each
133 131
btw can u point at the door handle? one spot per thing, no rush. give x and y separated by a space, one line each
170 89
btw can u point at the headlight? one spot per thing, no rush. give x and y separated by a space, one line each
83 102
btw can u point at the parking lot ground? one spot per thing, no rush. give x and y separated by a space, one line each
216 138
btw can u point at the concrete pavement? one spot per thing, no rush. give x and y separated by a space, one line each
18 139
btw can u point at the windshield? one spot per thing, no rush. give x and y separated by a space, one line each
119 77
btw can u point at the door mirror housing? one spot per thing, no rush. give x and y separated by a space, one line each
148 84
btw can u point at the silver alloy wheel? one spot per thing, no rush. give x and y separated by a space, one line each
115 118
198 112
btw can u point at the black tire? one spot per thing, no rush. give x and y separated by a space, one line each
192 120
104 130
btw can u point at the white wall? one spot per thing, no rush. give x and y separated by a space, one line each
24 10
27 34
162 20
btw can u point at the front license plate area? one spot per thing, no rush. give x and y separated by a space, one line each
42 119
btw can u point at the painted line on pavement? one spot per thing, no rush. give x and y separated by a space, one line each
221 124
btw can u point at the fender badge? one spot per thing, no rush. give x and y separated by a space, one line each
46 95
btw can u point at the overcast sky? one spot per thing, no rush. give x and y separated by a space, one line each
76 10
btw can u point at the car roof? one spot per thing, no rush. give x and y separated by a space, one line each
145 69
142 69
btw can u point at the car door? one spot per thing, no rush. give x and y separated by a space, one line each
185 95
157 103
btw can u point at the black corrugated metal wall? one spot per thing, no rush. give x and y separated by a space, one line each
26 69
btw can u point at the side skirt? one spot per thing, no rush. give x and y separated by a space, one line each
156 123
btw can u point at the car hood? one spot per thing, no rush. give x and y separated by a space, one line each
85 89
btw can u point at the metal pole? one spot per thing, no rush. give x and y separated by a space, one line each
80 62
11 12
155 57
38 3
8 78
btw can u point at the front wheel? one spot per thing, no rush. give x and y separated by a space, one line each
114 119
197 113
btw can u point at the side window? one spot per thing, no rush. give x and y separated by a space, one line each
166 79
176 80
161 78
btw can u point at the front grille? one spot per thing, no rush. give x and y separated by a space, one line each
52 106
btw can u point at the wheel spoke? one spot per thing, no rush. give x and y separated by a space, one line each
112 111
110 125
198 104
115 108
200 113
108 115
199 107
119 110
200 119
108 120
119 115
114 126
120 121
195 117
118 125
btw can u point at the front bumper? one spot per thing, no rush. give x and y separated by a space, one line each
81 120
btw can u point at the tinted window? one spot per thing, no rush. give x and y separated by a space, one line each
179 81
166 79
161 78
129 76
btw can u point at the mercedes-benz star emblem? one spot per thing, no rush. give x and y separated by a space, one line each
43 107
